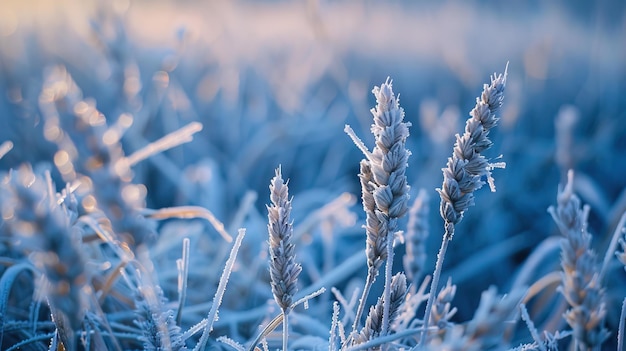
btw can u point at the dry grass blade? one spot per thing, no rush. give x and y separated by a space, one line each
188 212
6 283
183 275
176 138
221 289
610 251
5 147
274 323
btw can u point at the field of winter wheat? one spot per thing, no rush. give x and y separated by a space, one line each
312 175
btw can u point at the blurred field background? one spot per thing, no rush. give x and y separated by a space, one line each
274 82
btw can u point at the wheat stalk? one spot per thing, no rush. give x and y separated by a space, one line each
284 270
465 170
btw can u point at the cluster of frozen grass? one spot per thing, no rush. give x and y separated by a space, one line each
137 216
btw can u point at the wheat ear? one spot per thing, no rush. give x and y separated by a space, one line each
580 284
284 270
374 323
384 189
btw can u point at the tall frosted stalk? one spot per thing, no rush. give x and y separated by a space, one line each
284 270
465 171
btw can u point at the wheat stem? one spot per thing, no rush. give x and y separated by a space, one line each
433 287
371 277
610 252
388 276
620 331
285 330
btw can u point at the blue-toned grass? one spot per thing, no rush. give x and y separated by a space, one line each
129 166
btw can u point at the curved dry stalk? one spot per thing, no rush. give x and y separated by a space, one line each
171 140
188 212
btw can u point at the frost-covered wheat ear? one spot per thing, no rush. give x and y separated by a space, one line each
284 270
375 229
390 156
374 322
467 167
385 192
580 285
